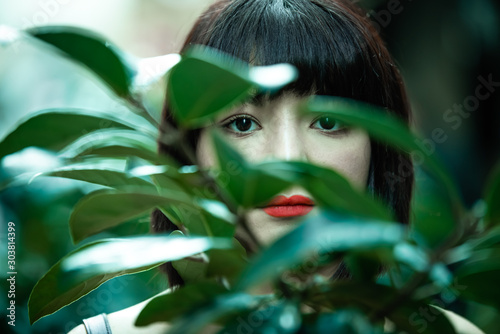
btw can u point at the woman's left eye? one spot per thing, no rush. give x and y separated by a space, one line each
327 124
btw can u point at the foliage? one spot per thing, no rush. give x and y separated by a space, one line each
133 180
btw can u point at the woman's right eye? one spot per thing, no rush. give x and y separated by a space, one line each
242 125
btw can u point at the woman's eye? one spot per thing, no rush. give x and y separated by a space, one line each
242 124
327 124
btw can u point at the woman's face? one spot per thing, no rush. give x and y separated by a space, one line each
277 130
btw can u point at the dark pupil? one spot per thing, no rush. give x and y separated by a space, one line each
327 123
243 124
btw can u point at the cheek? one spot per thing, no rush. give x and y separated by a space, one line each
350 155
205 151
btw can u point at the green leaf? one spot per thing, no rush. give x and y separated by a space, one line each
372 298
329 189
103 209
207 81
53 129
492 196
167 307
342 321
283 318
86 268
109 178
92 51
228 263
241 181
477 275
220 306
382 126
113 143
191 271
318 235
433 218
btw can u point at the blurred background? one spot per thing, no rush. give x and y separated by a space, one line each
448 52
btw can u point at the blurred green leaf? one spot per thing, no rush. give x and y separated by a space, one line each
433 218
318 235
226 262
382 126
207 81
191 271
492 196
53 129
329 189
92 51
242 181
204 82
109 178
113 143
86 268
102 209
222 305
282 318
478 276
349 321
372 298
167 307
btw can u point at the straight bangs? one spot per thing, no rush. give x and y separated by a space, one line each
332 52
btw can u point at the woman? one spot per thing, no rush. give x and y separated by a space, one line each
337 52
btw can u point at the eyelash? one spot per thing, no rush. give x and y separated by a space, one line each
227 123
342 128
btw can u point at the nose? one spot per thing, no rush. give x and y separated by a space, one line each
286 143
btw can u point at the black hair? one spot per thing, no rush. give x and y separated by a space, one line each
336 51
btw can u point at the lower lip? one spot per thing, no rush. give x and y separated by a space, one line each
288 210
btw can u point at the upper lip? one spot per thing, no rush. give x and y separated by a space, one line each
292 200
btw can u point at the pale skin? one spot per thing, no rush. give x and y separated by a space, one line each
276 130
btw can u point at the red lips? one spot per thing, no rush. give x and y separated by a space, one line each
282 206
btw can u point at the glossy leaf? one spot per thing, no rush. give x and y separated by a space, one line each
382 126
113 143
318 235
329 189
492 197
86 268
109 178
53 129
92 51
103 209
243 182
205 82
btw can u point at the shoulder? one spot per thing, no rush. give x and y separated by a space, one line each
123 321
